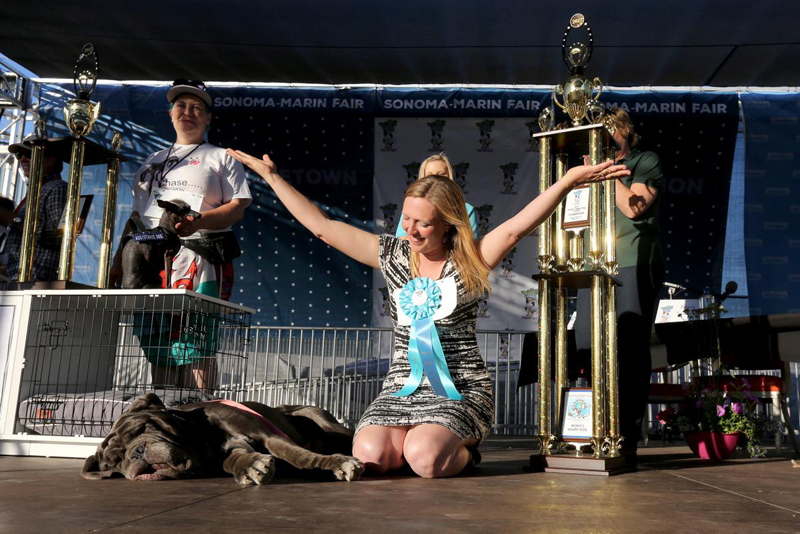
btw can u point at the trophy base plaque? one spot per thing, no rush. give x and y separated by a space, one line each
578 465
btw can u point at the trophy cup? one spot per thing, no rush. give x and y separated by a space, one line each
80 115
565 265
577 90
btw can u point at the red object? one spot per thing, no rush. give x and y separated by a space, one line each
712 445
758 383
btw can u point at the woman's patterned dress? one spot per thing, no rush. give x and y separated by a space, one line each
468 418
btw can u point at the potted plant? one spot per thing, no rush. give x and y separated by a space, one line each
719 412
714 420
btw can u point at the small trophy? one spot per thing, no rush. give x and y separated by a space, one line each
576 92
80 113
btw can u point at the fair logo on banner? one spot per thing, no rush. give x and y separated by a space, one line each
533 144
509 172
484 213
437 130
412 171
485 141
507 264
389 211
460 170
531 303
388 128
483 306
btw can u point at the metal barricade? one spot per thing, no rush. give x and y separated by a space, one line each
342 371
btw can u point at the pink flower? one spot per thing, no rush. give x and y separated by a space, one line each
737 408
720 410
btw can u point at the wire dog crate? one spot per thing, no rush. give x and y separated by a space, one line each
342 371
81 357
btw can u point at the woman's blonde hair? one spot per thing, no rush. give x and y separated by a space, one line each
459 241
436 157
623 122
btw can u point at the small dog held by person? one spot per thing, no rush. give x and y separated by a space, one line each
146 253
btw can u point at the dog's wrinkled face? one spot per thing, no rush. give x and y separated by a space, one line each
145 444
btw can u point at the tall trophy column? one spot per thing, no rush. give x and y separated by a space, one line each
584 417
545 265
598 290
610 266
80 115
109 212
28 249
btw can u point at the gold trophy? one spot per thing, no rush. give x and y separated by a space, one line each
109 212
30 223
562 260
80 115
577 90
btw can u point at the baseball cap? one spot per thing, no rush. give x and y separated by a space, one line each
193 87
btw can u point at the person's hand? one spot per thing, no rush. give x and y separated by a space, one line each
186 227
586 173
265 167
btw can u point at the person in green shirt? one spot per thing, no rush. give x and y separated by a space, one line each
641 272
439 165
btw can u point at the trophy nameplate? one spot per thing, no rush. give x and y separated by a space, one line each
576 415
576 209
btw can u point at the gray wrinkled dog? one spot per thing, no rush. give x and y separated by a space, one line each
152 442
143 260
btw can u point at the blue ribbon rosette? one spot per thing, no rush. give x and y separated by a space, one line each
419 299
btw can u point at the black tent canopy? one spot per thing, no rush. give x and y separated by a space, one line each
703 42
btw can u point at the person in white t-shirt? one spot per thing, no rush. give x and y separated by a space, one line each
213 184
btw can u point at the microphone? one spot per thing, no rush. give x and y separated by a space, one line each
730 289
676 286
673 289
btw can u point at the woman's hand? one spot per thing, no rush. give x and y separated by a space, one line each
265 167
586 174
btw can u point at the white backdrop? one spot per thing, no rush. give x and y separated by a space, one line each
496 165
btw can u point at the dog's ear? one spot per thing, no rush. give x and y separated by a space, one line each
91 469
105 462
148 401
167 205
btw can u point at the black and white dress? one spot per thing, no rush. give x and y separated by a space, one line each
470 417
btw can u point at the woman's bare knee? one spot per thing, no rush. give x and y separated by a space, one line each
429 460
434 452
377 452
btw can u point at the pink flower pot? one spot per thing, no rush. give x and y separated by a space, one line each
712 445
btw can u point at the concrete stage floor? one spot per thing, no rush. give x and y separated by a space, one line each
670 492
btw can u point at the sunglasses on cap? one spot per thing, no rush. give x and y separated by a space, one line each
193 83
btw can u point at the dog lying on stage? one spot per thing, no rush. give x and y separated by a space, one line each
152 442
146 253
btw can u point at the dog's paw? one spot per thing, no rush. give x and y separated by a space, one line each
258 469
348 468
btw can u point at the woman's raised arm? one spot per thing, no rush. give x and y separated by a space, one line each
356 243
499 242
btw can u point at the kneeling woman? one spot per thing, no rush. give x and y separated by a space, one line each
436 405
